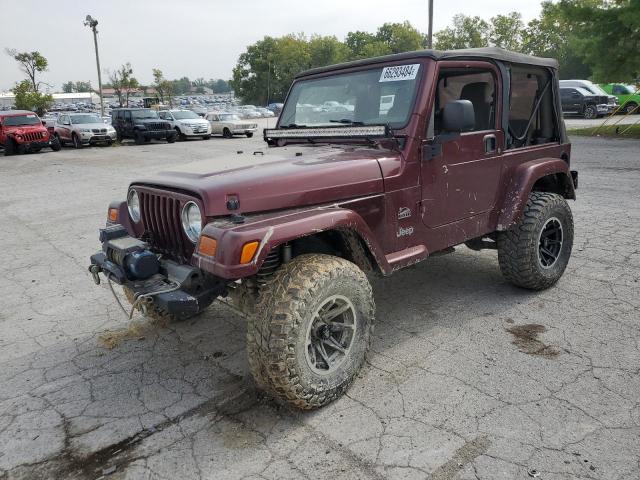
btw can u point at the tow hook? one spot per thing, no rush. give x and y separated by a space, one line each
95 270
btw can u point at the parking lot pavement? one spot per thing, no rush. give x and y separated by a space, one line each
469 377
577 122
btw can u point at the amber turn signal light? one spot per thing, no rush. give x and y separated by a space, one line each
248 251
207 246
113 214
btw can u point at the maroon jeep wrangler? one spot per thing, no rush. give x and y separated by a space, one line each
22 131
374 165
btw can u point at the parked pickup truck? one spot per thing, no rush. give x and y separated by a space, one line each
471 152
580 101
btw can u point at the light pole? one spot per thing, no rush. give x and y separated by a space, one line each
430 33
93 23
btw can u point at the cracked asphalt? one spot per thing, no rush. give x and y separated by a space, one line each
468 378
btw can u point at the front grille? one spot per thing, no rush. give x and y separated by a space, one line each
155 125
99 130
32 137
162 225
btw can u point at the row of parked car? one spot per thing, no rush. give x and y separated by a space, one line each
590 100
23 131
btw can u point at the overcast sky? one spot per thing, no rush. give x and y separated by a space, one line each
196 38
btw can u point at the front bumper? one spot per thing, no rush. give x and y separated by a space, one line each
91 138
180 290
603 109
27 146
197 131
159 134
243 131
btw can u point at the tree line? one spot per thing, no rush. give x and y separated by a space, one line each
592 39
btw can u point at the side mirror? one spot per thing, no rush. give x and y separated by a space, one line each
44 123
458 116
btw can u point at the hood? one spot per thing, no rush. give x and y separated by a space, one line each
91 126
292 177
24 129
187 121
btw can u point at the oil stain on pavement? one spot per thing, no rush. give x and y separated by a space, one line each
525 337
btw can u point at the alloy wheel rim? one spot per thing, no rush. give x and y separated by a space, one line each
330 335
550 243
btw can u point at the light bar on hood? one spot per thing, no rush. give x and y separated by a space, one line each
367 131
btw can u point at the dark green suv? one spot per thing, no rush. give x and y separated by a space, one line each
141 125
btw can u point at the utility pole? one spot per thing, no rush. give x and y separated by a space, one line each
268 80
93 23
430 33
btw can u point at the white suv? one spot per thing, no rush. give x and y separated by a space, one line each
187 123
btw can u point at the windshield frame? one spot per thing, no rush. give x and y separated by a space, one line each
177 115
416 94
135 114
73 122
23 115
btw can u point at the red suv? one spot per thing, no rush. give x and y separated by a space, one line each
22 131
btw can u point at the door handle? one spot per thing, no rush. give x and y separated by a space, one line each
490 143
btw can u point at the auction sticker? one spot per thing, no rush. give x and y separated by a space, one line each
399 72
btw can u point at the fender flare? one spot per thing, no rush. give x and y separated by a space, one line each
275 231
522 182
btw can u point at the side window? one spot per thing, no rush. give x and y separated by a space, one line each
127 116
617 90
532 117
478 87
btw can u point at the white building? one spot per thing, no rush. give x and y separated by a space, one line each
7 98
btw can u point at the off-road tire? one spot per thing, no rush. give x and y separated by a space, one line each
150 311
590 112
276 334
518 247
55 144
226 133
118 136
9 147
171 139
138 137
249 134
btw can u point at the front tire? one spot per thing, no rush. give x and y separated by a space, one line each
139 138
631 107
226 133
311 331
77 144
9 147
590 112
55 144
181 136
535 252
249 134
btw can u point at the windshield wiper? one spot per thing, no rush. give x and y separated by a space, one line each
292 125
348 121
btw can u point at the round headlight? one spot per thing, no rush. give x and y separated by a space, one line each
192 221
133 203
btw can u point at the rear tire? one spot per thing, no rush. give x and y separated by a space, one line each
631 107
535 252
313 302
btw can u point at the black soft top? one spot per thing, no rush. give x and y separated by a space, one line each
492 53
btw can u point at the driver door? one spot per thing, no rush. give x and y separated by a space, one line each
460 179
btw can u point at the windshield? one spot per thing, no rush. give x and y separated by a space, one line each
229 116
142 114
595 89
16 120
85 119
184 115
383 95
